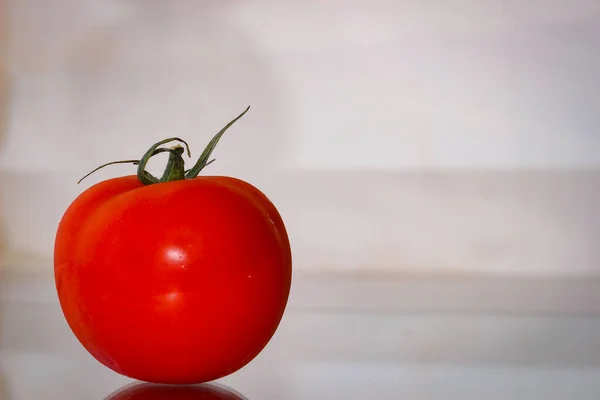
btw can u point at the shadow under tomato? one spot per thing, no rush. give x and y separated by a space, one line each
149 391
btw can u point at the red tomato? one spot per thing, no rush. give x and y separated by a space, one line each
179 280
146 391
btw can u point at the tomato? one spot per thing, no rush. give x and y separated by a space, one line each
146 391
182 279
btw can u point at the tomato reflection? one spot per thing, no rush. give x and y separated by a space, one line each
149 391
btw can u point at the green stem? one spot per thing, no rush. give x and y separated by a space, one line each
147 178
175 168
203 160
134 162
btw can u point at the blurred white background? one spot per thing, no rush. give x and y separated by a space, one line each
437 137
453 145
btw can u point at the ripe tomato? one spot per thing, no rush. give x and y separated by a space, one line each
182 279
146 391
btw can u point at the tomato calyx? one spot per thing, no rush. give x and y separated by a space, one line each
175 168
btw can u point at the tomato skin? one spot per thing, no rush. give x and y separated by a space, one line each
179 282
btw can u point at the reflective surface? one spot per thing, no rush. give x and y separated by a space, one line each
348 339
145 391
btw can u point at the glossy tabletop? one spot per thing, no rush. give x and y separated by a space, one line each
345 339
